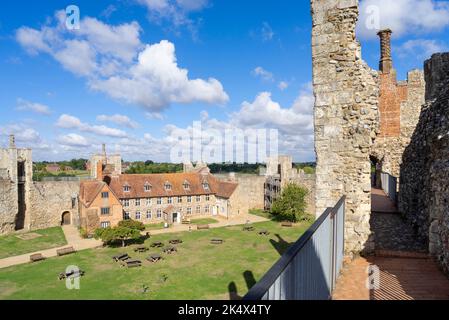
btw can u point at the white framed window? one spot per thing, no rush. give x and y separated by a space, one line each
126 188
198 209
189 199
137 202
189 211
205 186
208 198
126 216
105 211
159 200
206 209
147 187
167 186
138 215
126 203
105 224
186 185
170 200
149 202
179 199
198 198
159 214
149 215
105 195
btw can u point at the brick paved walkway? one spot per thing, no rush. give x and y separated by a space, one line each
405 270
400 279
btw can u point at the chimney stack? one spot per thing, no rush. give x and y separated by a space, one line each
386 62
12 141
105 158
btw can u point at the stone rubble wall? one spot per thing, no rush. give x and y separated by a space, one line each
424 187
49 200
346 118
8 206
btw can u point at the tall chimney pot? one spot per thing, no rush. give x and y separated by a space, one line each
12 141
386 62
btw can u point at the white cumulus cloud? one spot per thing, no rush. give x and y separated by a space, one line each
404 17
119 119
73 140
24 105
70 122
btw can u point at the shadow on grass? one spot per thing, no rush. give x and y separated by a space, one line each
250 282
281 245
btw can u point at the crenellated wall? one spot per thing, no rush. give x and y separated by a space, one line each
346 118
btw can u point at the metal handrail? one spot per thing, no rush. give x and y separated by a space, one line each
260 288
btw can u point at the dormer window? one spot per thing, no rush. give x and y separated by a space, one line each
147 187
167 186
126 188
205 186
186 185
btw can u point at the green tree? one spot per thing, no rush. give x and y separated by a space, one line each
132 224
291 205
117 234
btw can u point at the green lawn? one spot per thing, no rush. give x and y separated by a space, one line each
11 245
261 213
203 221
154 226
199 270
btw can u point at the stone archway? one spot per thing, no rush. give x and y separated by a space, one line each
66 218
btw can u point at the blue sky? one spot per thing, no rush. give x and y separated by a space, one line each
122 77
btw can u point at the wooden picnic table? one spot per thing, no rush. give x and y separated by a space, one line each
131 263
154 258
121 257
217 241
175 241
170 250
73 274
248 228
264 233
287 224
141 249
157 244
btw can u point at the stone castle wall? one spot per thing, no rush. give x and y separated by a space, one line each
8 205
346 118
49 200
424 187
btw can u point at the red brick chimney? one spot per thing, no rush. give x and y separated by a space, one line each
386 62
100 170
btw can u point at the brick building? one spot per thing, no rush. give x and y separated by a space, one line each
153 198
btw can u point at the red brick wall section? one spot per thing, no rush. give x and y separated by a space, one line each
391 97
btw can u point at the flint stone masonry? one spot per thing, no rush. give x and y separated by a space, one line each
424 187
346 118
49 200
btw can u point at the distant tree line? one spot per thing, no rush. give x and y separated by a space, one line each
75 164
149 167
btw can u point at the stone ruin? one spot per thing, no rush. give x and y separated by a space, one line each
363 115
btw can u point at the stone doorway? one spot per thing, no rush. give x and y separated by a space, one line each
66 219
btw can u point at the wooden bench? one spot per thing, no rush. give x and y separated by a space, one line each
154 258
131 263
65 251
217 241
248 228
264 233
186 221
287 224
37 257
121 257
203 227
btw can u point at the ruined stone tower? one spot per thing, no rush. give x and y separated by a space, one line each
16 179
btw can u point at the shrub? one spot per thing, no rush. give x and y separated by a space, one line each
132 224
84 234
291 206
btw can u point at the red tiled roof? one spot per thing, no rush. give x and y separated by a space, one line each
89 191
137 183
